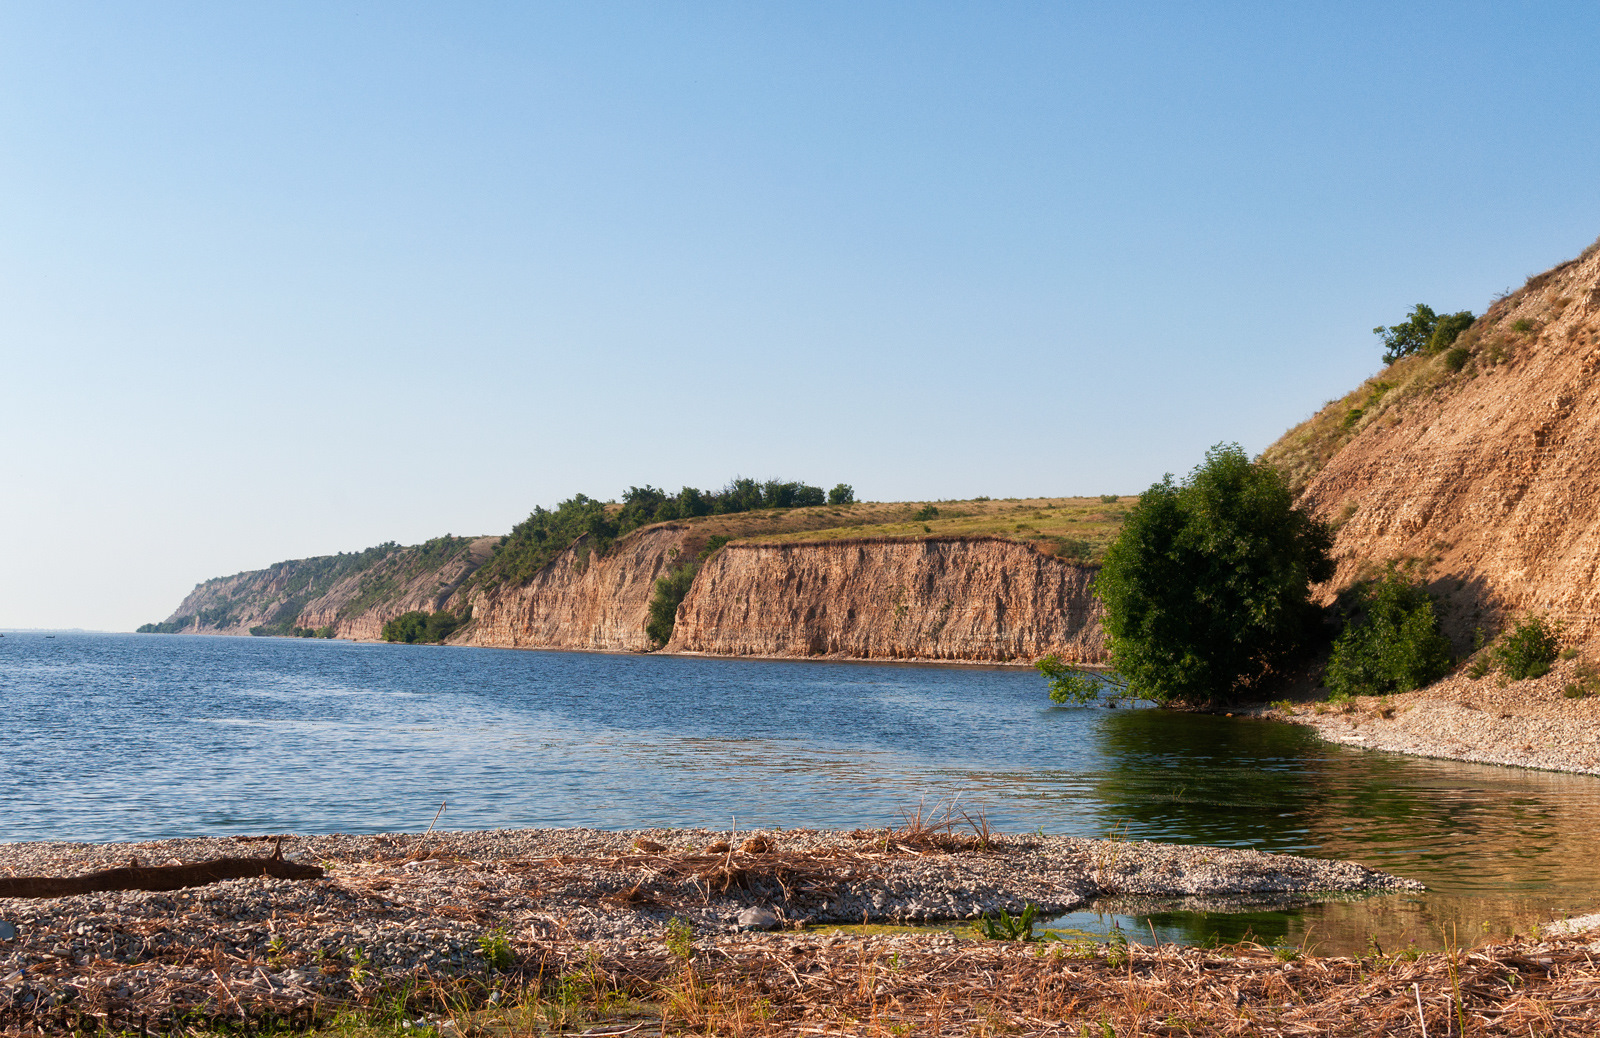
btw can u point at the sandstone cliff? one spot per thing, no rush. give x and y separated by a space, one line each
354 593
936 598
579 601
1489 474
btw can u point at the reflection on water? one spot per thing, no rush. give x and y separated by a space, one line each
124 737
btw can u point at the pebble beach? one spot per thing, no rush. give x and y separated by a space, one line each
1526 724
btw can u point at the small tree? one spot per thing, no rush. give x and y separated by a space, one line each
1410 336
1423 331
842 494
1392 644
1207 586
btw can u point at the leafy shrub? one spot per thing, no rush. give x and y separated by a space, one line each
1393 644
1529 649
925 513
1522 326
1109 499
668 595
494 948
1585 682
1457 358
842 494
1207 586
1448 329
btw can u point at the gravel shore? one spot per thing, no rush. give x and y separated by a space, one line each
1525 724
450 904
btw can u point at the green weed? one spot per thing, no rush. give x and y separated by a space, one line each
1003 926
495 949
679 938
1116 947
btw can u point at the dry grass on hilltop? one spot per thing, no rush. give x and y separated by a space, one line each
1070 527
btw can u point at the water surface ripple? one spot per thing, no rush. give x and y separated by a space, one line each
121 737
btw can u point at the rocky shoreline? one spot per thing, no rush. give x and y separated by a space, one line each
468 904
1526 724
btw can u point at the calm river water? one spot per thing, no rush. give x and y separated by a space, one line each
122 737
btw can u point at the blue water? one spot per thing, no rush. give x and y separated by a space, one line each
120 737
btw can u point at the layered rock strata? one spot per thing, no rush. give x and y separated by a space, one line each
1483 466
580 600
935 598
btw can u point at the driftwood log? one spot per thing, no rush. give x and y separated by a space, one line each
156 877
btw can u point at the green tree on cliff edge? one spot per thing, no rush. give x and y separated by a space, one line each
1207 586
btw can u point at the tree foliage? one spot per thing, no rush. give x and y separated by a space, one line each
1423 331
537 540
1073 686
419 625
669 593
1206 587
1392 643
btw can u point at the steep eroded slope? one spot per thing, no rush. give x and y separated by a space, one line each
1490 474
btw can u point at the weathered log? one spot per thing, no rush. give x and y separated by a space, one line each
156 877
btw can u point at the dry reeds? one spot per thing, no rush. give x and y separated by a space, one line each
889 986
809 984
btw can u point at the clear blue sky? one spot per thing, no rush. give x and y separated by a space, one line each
292 278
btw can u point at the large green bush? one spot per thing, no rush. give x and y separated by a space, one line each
1391 644
1206 588
1528 650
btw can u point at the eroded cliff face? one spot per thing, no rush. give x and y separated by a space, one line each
1490 475
408 582
355 594
579 601
936 598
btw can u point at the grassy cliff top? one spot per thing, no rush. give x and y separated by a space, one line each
1069 527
